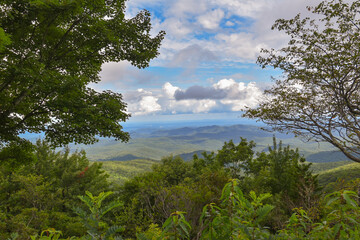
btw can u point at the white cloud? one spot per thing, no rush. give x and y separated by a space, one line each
229 24
211 20
241 46
182 8
245 8
249 21
224 84
236 95
113 71
148 104
189 106
122 75
191 57
195 35
225 95
170 90
251 95
176 27
142 102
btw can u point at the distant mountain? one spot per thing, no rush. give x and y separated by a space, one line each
185 141
214 132
127 157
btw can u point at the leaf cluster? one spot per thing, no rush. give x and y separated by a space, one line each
317 96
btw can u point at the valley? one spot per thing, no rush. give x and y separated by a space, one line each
148 146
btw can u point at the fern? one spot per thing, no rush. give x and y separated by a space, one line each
98 229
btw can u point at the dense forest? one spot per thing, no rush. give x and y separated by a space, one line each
234 193
51 50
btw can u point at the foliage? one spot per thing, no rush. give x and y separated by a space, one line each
17 153
41 194
4 39
340 220
259 205
238 218
280 171
176 227
348 172
236 157
173 185
50 234
317 98
152 233
57 48
97 229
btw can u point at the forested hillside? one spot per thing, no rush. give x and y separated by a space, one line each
179 141
143 199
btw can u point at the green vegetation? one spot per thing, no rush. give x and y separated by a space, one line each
237 193
157 144
50 50
346 172
319 168
119 172
317 94
41 194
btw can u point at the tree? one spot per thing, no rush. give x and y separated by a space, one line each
4 39
43 193
50 50
318 96
97 228
236 157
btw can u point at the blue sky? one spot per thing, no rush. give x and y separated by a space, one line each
206 67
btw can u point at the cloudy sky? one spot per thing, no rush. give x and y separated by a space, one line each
207 60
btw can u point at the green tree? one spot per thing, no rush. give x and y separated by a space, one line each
173 185
283 172
340 220
43 193
4 39
237 217
57 48
318 94
286 168
236 157
176 227
92 219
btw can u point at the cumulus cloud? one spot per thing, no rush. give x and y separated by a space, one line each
199 92
148 104
191 56
176 28
122 75
236 95
169 90
142 102
214 32
248 25
224 95
211 20
189 106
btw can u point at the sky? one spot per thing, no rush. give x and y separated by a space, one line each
207 63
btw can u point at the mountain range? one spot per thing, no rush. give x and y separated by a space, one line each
153 144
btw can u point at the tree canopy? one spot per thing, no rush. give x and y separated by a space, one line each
318 95
50 50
